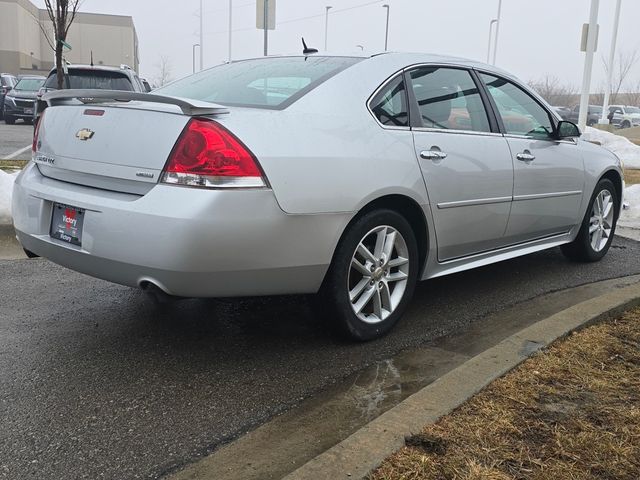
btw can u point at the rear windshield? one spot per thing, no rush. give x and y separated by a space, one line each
262 83
29 84
100 79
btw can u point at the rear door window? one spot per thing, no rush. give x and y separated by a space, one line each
448 99
273 83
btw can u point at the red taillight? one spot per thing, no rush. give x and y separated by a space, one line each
208 155
34 145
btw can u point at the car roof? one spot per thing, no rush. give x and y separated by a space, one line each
402 58
102 68
36 77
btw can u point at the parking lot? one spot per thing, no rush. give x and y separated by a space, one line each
15 141
97 382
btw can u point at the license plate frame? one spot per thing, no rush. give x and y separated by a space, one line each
67 223
28 111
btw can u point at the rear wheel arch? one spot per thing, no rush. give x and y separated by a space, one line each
410 210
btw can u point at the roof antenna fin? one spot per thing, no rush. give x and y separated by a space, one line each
92 58
306 50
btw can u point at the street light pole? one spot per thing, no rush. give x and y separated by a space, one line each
386 31
326 25
194 56
230 26
266 27
201 36
588 64
498 22
491 24
614 38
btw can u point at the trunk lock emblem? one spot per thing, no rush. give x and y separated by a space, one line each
85 134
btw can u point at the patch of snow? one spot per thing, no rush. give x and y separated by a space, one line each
631 217
6 188
625 149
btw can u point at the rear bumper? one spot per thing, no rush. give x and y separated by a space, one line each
189 242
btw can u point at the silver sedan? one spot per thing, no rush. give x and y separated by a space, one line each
353 177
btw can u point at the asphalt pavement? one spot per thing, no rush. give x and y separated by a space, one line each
97 382
14 139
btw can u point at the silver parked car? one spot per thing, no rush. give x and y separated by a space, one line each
349 176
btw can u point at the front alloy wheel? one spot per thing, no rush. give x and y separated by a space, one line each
601 221
373 274
598 225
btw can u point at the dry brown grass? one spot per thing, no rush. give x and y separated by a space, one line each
631 176
571 412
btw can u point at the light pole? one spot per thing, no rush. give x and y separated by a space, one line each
612 54
491 24
266 27
498 21
201 37
230 25
386 31
588 63
326 25
194 55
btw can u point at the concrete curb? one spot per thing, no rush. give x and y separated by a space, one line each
362 452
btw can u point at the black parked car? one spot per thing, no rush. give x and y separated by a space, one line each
20 102
7 82
593 115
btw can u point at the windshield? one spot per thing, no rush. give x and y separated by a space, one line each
99 79
262 83
29 84
633 110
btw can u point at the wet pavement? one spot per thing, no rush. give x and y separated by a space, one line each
96 382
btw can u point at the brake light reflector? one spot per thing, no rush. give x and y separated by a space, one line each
208 155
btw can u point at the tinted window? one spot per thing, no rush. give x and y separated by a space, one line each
449 99
29 84
99 79
264 83
521 113
390 104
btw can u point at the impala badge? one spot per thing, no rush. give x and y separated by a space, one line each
85 134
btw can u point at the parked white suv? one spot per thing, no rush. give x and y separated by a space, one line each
624 116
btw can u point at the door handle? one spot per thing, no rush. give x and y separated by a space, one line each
433 155
525 156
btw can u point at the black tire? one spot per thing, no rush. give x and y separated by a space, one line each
335 290
625 124
27 121
581 250
9 120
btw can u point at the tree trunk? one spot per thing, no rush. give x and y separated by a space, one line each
59 69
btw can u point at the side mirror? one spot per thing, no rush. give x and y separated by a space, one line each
567 130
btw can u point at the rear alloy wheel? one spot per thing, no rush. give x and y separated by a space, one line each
373 275
598 226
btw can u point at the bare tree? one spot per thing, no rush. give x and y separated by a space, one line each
553 91
621 68
633 94
62 13
164 71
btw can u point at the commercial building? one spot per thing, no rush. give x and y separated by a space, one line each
24 48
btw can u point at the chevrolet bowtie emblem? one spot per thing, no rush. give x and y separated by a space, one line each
85 134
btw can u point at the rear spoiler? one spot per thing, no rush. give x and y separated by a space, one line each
73 97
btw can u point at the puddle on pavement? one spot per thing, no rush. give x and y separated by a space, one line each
288 441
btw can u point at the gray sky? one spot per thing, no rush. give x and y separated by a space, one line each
536 37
